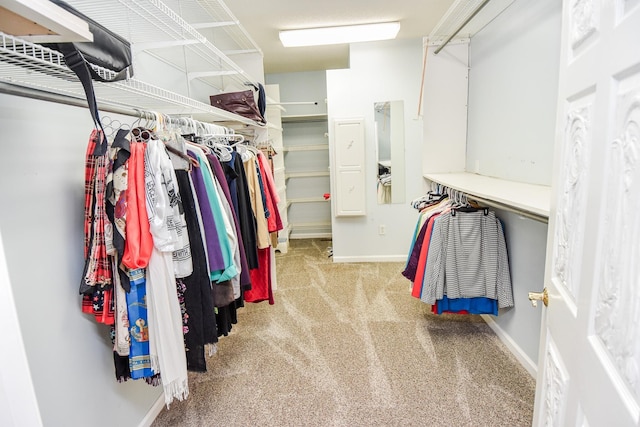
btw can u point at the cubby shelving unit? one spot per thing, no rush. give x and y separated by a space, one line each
307 175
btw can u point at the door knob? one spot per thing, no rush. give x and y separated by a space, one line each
543 296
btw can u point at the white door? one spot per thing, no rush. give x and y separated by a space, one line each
589 362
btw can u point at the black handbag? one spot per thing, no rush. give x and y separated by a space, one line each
107 50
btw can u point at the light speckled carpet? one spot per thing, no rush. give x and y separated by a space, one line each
347 345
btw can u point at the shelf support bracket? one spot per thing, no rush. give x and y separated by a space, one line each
199 74
466 21
215 24
163 44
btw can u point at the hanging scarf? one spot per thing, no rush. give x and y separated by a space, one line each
164 208
165 327
139 243
122 340
201 328
139 359
97 268
100 305
167 226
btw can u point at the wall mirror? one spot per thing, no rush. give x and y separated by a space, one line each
389 135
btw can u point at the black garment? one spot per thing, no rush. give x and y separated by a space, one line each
198 299
216 166
237 180
262 100
228 316
121 366
122 156
222 293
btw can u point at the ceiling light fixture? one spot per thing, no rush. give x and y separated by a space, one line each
339 35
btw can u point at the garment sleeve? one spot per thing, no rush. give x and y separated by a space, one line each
435 266
504 288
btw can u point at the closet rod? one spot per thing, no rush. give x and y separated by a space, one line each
40 95
504 207
466 21
295 103
63 99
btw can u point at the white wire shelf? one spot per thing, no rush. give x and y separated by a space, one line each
33 66
164 30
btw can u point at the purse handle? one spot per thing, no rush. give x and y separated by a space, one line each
76 63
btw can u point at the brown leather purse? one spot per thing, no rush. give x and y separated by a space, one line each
242 103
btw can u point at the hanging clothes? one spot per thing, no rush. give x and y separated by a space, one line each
244 278
241 198
139 243
274 221
458 260
199 327
97 269
256 195
184 237
211 236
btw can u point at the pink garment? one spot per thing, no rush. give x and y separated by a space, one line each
416 290
274 222
139 242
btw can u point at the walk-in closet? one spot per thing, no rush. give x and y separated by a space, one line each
205 223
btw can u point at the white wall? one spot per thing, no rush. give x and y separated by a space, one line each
513 83
306 86
41 221
150 69
18 405
380 71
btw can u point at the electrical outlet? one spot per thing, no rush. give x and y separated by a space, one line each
381 229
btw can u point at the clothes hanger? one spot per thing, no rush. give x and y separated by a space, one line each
110 126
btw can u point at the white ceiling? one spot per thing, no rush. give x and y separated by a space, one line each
264 18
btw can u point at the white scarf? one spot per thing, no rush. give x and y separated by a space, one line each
164 207
168 228
166 341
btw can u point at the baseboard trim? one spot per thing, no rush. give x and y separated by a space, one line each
153 412
371 258
522 357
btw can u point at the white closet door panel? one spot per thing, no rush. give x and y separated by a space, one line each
350 193
349 144
349 164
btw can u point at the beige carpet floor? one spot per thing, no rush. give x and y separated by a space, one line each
346 345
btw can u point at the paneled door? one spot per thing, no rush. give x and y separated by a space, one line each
589 362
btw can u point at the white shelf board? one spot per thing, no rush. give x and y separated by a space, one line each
306 200
42 21
529 198
311 224
306 147
304 118
311 174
